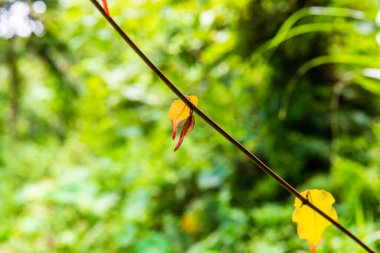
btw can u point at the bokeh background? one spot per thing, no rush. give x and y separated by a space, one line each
86 155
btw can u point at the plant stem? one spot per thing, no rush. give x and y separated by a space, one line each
226 135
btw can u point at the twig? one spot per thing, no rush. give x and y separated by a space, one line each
220 130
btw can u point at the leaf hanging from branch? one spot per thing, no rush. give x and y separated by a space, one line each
311 225
178 112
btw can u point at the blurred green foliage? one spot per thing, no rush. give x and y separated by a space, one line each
86 160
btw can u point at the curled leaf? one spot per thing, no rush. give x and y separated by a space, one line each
311 225
179 111
105 6
186 129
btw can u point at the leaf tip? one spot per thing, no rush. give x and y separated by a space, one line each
186 129
174 127
178 145
313 248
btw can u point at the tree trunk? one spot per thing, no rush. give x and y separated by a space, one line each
14 87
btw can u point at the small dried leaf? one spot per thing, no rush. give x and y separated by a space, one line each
311 225
105 7
179 111
186 129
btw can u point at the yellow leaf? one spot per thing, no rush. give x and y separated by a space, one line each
311 225
190 223
179 111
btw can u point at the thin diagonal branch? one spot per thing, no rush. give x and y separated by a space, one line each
221 131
